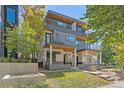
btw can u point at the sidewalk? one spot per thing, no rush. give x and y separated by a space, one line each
116 84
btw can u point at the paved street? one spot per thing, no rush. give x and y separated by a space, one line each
116 84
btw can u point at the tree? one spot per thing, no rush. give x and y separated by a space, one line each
119 50
107 55
107 21
20 39
35 16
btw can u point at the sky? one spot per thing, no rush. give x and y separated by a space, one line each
75 11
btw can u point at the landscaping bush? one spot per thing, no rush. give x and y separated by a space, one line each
13 60
4 60
23 61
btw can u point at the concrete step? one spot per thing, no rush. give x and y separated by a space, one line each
110 79
105 76
95 73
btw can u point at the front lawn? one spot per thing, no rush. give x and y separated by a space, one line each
73 79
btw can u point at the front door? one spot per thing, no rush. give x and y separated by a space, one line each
77 60
65 58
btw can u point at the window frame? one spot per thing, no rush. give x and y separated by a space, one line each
78 43
15 7
67 38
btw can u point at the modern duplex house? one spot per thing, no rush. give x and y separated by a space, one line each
65 42
8 17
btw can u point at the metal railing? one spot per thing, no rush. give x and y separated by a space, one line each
88 47
55 40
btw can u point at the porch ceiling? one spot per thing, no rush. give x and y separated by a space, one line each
80 37
63 19
62 47
93 52
54 16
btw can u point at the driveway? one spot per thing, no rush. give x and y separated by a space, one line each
115 84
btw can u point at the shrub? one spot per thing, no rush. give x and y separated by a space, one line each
13 60
4 60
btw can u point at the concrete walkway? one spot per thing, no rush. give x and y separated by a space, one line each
115 84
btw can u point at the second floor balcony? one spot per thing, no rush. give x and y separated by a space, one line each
59 39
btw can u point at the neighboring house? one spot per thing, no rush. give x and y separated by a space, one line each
65 42
8 17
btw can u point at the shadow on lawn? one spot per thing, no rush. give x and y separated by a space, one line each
57 74
54 74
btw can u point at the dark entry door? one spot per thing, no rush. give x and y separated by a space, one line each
77 60
64 59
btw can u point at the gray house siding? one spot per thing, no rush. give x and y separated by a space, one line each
81 46
61 38
52 25
60 34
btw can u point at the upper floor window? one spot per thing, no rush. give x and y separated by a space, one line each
70 38
73 28
10 15
78 43
79 29
61 24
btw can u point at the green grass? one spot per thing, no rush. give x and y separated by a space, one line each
73 79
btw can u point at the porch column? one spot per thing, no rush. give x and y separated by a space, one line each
50 54
100 57
86 57
75 57
44 58
82 58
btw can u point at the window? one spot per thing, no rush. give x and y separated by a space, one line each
73 28
61 24
79 29
68 26
77 42
54 53
10 15
70 38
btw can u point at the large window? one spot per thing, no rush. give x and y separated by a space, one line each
61 24
73 28
54 53
78 43
70 38
79 29
11 15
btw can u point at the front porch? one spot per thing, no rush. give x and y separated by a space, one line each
58 57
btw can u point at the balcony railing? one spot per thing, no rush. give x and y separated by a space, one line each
88 47
52 24
57 40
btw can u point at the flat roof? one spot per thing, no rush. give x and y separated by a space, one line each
64 16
